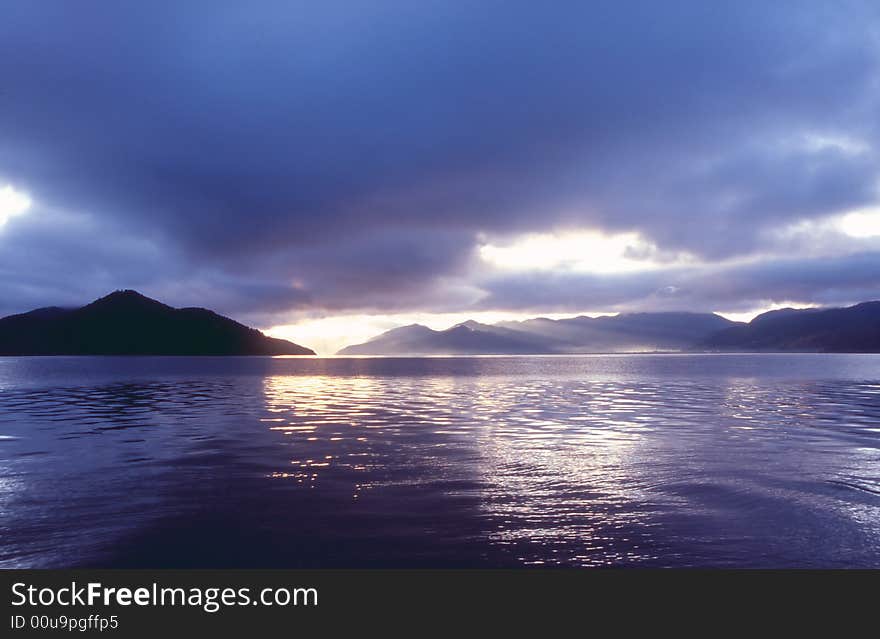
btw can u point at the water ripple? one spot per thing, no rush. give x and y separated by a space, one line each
530 461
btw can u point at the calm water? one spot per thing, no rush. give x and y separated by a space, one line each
703 460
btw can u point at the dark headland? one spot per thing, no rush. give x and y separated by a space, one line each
128 323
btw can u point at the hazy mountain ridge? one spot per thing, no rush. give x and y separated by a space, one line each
620 333
851 329
128 323
462 339
627 332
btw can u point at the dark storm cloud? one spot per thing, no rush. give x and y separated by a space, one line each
269 156
728 287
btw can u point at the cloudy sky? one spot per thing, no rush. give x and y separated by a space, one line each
327 170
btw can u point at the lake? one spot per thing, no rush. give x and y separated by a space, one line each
607 460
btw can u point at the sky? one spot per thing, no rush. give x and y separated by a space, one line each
325 171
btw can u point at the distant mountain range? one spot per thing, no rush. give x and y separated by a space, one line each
630 332
128 323
855 329
852 329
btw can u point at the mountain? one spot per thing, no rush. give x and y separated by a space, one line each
128 323
620 333
469 338
626 332
855 329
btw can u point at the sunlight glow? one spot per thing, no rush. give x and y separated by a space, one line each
12 203
863 223
748 316
580 251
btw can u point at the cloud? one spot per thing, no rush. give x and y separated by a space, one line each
735 286
276 157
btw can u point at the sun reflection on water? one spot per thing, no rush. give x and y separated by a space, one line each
574 473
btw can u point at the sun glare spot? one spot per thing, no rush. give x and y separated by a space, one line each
864 223
12 203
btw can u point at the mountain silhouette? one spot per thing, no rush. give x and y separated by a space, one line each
855 329
462 339
626 332
128 323
630 332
